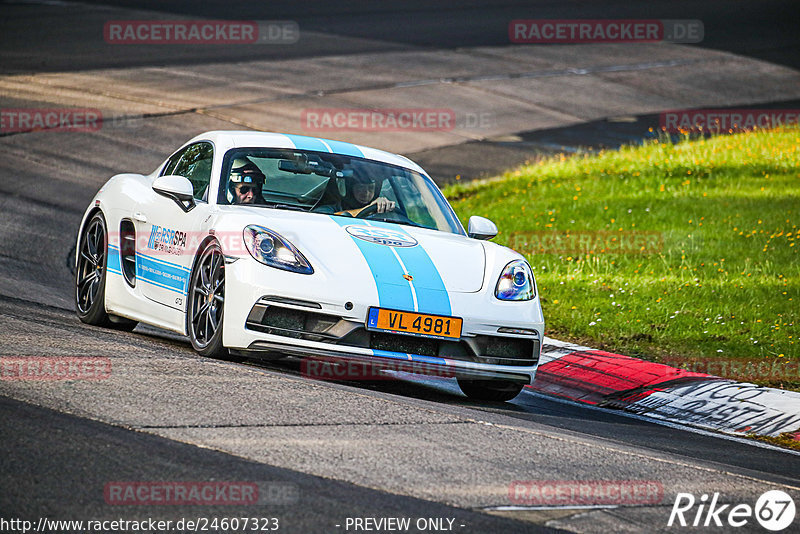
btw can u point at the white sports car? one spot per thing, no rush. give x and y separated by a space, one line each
270 245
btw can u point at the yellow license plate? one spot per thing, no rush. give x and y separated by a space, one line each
417 324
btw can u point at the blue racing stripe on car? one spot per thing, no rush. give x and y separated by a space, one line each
307 143
113 261
348 149
325 145
409 357
393 291
162 274
432 296
393 355
428 359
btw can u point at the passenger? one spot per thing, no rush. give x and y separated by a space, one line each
245 183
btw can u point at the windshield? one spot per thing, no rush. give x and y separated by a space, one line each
334 184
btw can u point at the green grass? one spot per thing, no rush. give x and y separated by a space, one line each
787 440
709 273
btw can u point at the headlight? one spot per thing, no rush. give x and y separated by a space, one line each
271 249
516 282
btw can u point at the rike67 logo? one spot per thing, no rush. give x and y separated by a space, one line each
774 510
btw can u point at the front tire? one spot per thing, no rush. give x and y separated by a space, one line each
490 390
90 273
207 303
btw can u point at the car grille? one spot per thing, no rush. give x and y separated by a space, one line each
314 326
507 350
294 323
407 344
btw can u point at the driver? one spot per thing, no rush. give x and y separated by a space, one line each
245 182
362 192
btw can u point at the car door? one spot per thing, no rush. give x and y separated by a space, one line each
171 233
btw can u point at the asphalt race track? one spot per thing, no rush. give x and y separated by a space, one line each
412 447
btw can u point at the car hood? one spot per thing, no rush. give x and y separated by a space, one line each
346 247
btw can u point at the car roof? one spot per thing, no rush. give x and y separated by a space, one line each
227 139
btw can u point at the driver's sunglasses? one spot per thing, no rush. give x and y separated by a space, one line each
364 185
244 189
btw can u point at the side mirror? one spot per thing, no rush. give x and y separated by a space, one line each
177 188
481 228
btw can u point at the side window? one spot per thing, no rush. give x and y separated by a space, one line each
193 163
171 164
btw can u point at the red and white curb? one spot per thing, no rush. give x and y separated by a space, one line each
655 390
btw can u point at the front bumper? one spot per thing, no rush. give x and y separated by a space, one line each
334 328
297 328
396 361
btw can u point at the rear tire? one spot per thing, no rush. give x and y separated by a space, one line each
206 304
490 389
90 278
90 273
